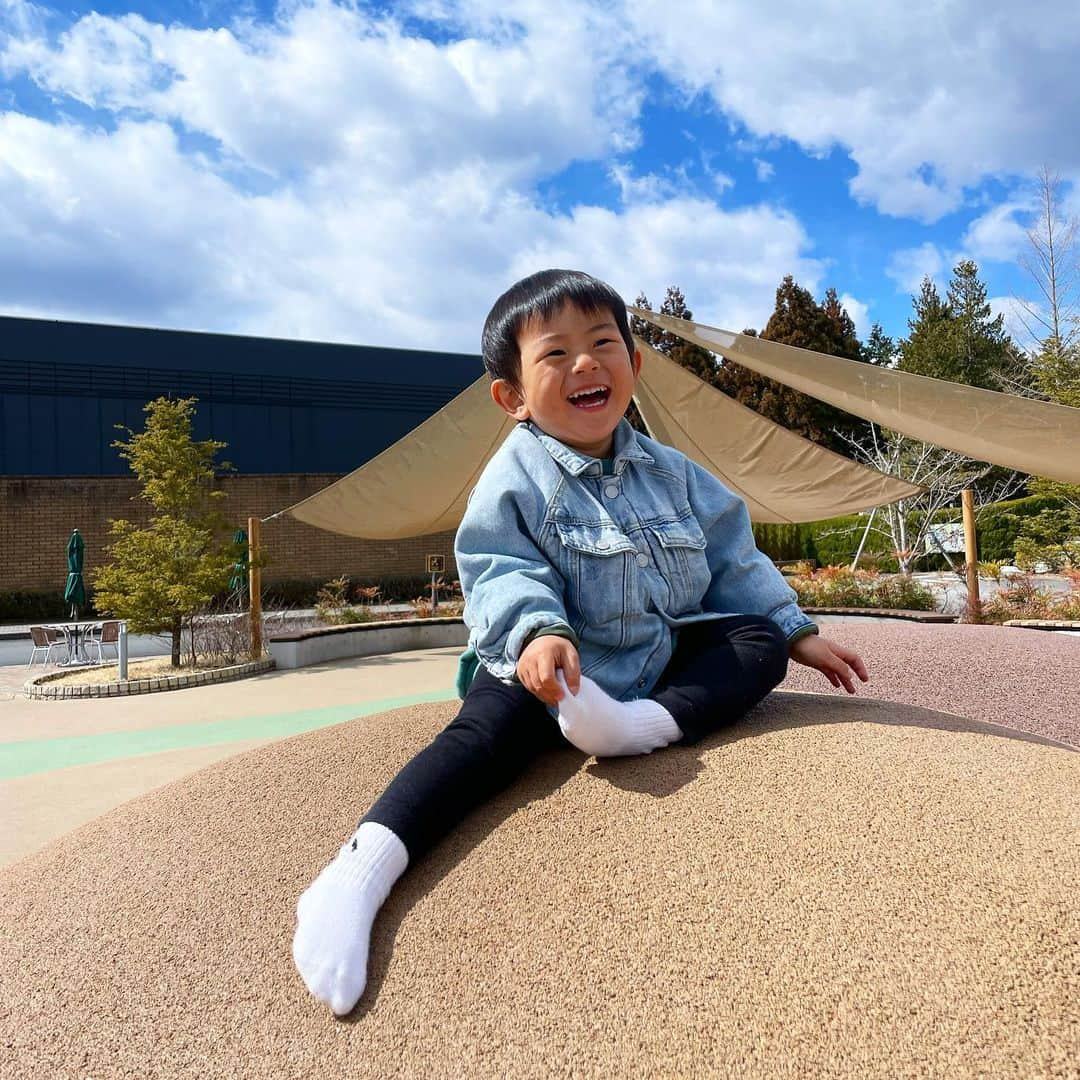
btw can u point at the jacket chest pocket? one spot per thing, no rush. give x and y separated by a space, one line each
598 568
678 548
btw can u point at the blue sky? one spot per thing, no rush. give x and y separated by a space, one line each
378 173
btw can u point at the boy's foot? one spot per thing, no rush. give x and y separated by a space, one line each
600 725
335 913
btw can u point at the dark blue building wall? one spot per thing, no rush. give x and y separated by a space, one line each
281 406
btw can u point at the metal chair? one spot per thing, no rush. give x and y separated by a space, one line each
106 633
45 639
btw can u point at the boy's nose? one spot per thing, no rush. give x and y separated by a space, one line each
585 362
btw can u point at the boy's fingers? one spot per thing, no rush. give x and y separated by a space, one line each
571 668
549 690
845 678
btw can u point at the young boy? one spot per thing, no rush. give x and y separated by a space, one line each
614 597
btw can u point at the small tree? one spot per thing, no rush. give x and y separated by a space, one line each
943 473
159 577
1053 264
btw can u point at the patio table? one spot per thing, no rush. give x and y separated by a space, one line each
74 635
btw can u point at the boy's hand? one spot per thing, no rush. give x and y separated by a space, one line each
537 665
832 660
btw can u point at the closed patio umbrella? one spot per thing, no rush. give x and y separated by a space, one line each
75 592
238 581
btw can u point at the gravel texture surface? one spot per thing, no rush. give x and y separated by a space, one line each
846 888
1026 679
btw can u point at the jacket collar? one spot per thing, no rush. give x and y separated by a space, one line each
625 449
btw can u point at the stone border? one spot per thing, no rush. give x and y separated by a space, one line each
1044 624
40 688
885 613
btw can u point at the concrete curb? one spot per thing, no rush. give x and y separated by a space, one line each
307 647
40 688
1044 624
884 613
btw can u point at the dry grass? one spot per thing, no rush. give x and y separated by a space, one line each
137 669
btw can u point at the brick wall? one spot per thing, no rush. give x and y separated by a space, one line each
38 513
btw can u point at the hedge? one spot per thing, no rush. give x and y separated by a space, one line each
834 542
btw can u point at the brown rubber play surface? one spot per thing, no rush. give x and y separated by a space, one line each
834 887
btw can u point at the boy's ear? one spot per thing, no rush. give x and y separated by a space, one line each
509 399
635 362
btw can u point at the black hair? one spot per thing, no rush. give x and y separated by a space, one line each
540 296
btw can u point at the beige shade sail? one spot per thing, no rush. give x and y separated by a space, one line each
420 484
1036 437
781 476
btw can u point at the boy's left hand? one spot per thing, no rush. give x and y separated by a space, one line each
834 661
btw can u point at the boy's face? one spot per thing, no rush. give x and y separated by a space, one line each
576 379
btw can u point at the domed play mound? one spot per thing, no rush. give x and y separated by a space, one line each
833 887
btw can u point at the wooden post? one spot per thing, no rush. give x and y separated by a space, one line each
255 588
971 554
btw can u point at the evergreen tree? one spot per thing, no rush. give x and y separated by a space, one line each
800 321
797 320
956 339
880 349
159 577
928 345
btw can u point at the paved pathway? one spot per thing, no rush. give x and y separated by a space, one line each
63 763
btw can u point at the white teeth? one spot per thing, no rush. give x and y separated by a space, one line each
588 390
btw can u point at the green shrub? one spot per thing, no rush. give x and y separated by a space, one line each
1020 598
783 542
837 586
998 525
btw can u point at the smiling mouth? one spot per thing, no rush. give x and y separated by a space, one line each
595 397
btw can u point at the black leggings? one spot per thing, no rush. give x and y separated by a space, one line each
719 670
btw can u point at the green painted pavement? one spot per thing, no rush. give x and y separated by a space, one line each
30 756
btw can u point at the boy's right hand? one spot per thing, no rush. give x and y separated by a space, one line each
539 661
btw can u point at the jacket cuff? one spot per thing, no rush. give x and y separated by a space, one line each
504 666
791 618
561 630
803 631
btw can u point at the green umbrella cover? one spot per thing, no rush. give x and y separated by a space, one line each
238 582
75 592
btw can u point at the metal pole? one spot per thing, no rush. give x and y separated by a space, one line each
434 595
122 651
862 542
971 553
255 588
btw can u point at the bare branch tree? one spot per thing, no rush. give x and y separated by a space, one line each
943 473
1053 264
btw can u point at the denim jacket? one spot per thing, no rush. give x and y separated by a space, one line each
622 560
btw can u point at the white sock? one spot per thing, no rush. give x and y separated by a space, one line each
335 913
600 725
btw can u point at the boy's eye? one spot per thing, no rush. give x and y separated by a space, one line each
554 352
605 341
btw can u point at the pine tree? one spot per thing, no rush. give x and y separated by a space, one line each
157 578
880 349
928 346
800 321
956 339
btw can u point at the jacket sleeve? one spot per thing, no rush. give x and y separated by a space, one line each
510 586
744 579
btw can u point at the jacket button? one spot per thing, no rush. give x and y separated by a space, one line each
611 491
642 559
641 682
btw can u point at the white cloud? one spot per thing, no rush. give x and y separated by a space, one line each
765 169
997 235
1021 319
909 266
926 98
395 210
859 312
